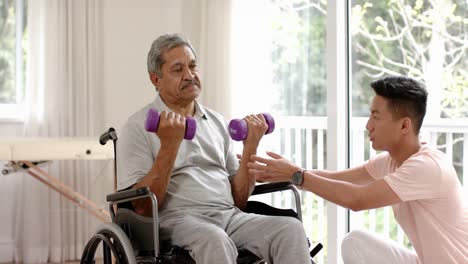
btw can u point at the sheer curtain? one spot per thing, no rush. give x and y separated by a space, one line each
215 56
63 95
234 56
251 33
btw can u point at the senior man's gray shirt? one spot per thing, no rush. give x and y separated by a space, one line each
203 167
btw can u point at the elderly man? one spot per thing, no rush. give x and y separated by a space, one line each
199 183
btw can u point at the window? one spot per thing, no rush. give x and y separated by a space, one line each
298 58
279 48
427 41
12 57
281 64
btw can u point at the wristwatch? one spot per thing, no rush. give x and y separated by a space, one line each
298 177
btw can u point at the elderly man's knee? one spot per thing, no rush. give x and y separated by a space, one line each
295 223
213 245
217 239
291 226
216 236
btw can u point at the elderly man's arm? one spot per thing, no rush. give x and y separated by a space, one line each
170 132
157 180
243 182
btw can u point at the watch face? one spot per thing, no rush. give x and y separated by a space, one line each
297 178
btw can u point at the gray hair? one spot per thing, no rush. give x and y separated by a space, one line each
162 44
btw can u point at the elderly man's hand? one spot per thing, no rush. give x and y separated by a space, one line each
257 127
171 129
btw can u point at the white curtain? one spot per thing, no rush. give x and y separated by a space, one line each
215 56
63 99
234 56
251 34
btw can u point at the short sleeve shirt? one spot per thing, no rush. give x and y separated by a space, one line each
434 209
203 167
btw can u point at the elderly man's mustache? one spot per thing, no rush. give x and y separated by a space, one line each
192 82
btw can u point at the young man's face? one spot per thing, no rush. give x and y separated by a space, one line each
384 131
180 81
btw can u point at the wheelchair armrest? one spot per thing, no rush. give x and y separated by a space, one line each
131 195
272 187
134 194
281 186
128 194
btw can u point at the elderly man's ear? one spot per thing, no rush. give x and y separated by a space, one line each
155 80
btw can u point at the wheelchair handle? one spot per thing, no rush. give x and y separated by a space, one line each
108 135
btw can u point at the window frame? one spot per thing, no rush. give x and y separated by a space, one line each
337 116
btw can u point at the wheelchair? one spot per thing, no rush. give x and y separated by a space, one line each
132 238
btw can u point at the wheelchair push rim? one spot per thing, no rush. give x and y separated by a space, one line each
115 238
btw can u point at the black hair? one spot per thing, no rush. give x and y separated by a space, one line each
407 97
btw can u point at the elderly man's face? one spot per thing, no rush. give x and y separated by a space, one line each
180 81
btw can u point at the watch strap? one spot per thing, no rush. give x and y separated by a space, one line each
302 176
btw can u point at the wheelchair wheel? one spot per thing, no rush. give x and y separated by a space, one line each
117 241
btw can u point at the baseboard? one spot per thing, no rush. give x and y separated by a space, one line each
7 249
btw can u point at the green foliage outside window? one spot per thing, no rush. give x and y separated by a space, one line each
8 52
426 40
298 55
423 39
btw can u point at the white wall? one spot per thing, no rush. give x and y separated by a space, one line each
129 29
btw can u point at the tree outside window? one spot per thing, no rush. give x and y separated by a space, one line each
426 40
12 50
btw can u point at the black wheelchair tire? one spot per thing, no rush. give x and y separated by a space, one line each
112 235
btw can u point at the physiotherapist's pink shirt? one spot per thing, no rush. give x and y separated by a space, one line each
434 208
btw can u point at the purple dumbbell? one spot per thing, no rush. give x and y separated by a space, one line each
152 123
238 127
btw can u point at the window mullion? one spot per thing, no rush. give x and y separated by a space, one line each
337 117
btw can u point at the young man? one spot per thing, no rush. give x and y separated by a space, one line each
415 179
199 183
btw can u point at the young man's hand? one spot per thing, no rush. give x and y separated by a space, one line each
276 169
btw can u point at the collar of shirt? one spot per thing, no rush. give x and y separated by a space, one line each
161 106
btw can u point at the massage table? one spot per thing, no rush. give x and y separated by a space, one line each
26 154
